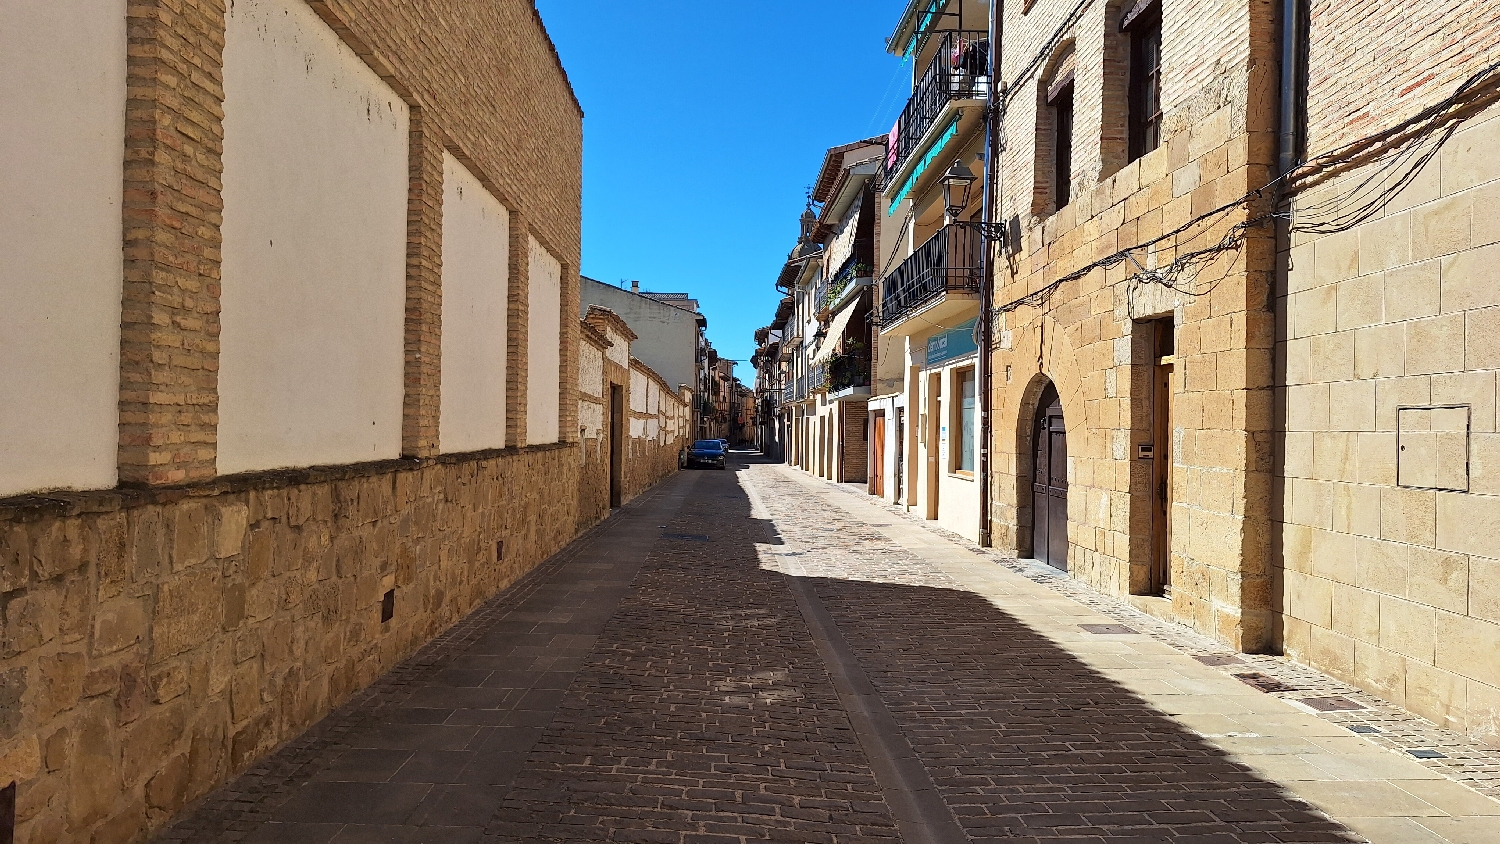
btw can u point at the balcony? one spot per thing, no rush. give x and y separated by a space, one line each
943 274
959 70
848 377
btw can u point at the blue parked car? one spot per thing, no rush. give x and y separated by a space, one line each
706 453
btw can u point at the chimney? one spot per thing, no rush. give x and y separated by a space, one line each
635 287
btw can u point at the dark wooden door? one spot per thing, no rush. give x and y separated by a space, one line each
1049 484
616 445
877 457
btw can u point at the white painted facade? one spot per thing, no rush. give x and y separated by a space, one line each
543 347
476 260
315 195
62 87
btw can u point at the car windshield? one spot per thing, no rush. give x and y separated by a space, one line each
708 445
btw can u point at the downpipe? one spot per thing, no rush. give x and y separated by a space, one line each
1293 45
987 282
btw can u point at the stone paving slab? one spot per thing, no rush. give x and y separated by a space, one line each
1372 788
429 752
820 670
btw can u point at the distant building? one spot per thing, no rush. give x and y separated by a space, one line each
668 326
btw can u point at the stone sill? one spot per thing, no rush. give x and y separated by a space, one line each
25 508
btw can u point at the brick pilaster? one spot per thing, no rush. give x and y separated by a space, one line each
424 294
516 320
567 424
173 214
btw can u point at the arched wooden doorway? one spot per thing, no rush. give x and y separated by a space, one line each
1049 482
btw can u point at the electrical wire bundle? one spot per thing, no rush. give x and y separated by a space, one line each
1396 154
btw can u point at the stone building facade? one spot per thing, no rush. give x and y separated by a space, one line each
1388 350
1132 420
634 428
1243 370
297 372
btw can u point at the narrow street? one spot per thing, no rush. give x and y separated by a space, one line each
755 655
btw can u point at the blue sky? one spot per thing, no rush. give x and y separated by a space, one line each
704 127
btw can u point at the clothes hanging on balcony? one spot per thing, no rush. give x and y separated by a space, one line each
893 146
972 58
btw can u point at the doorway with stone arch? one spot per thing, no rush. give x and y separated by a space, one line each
1045 448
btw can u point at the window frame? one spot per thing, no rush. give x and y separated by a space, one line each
1142 25
1060 98
961 376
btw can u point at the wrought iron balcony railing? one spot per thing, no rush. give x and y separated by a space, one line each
958 71
847 371
817 379
951 261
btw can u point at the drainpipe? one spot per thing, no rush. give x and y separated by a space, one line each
987 281
1293 42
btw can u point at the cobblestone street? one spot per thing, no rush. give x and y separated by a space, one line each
755 655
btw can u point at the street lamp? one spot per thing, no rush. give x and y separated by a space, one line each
956 184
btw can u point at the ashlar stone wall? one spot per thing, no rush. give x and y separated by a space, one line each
655 426
155 643
1085 329
1389 500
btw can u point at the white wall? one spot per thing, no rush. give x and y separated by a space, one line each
544 347
476 258
62 90
315 189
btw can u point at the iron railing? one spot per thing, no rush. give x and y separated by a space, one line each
847 371
817 379
958 71
951 261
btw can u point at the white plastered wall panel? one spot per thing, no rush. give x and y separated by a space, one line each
543 346
315 192
590 370
62 85
476 259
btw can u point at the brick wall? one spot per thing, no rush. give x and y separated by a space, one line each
1373 63
1085 338
855 442
161 637
1389 513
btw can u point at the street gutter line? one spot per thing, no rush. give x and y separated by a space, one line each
921 815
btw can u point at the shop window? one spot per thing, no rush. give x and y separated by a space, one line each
964 386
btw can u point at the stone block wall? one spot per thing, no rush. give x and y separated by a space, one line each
1084 330
658 430
1389 350
157 642
656 427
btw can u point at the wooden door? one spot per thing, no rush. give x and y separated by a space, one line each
1161 459
934 442
877 456
616 445
1049 483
